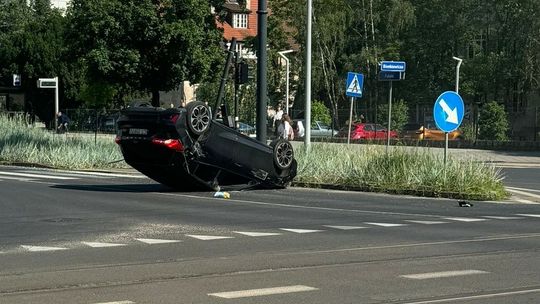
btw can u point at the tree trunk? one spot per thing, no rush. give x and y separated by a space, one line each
155 98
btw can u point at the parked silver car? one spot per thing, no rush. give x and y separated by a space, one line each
319 129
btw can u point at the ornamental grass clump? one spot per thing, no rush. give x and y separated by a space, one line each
401 171
20 143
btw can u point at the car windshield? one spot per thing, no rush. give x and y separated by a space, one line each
322 125
380 127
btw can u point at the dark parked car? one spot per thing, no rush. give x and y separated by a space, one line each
186 149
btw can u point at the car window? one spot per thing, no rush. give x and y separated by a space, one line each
322 125
368 127
380 127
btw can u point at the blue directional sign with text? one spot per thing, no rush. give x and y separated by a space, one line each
355 84
391 76
448 111
393 66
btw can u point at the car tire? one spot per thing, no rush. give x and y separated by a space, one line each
198 117
283 153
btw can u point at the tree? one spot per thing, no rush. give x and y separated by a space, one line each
148 45
493 124
399 117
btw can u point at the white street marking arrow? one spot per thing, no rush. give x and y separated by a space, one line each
452 114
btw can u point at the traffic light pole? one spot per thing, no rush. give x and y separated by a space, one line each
262 57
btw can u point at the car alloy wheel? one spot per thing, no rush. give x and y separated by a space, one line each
283 154
198 117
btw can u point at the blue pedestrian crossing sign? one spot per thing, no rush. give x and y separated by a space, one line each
448 111
355 84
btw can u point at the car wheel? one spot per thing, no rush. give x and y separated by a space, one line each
283 154
198 115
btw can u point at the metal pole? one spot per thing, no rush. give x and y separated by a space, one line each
459 61
389 118
307 113
56 102
350 122
262 57
287 63
236 89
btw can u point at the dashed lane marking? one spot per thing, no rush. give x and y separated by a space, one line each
255 234
208 237
530 215
42 248
442 274
300 230
427 222
262 292
477 297
117 302
102 245
465 219
345 227
36 175
386 224
158 241
503 217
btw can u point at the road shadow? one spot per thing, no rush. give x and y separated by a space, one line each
123 188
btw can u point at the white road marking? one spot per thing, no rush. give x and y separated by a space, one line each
108 174
443 274
208 237
523 189
21 179
529 215
262 292
117 302
102 245
464 219
345 227
386 224
36 175
524 193
257 233
300 230
503 217
41 248
484 296
427 222
524 201
157 241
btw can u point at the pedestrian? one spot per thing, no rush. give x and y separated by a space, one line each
63 121
298 128
277 119
285 129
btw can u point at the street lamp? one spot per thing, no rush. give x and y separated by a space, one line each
282 54
459 60
307 113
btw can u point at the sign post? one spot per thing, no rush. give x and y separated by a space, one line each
448 113
51 83
355 85
391 71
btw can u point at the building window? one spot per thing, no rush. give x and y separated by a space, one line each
240 21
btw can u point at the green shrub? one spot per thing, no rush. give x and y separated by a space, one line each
319 112
493 123
400 114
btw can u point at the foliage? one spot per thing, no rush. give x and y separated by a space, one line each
400 171
319 112
399 117
493 123
467 129
148 45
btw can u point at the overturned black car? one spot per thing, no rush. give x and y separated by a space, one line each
188 149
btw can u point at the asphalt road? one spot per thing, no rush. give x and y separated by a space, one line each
73 237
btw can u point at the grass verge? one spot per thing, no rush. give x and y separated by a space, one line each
358 167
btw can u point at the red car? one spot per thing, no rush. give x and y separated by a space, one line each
366 131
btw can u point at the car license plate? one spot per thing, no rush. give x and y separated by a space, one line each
136 131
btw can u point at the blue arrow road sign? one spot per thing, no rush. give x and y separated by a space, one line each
393 66
448 111
355 84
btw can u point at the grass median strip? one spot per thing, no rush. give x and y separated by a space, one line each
336 166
